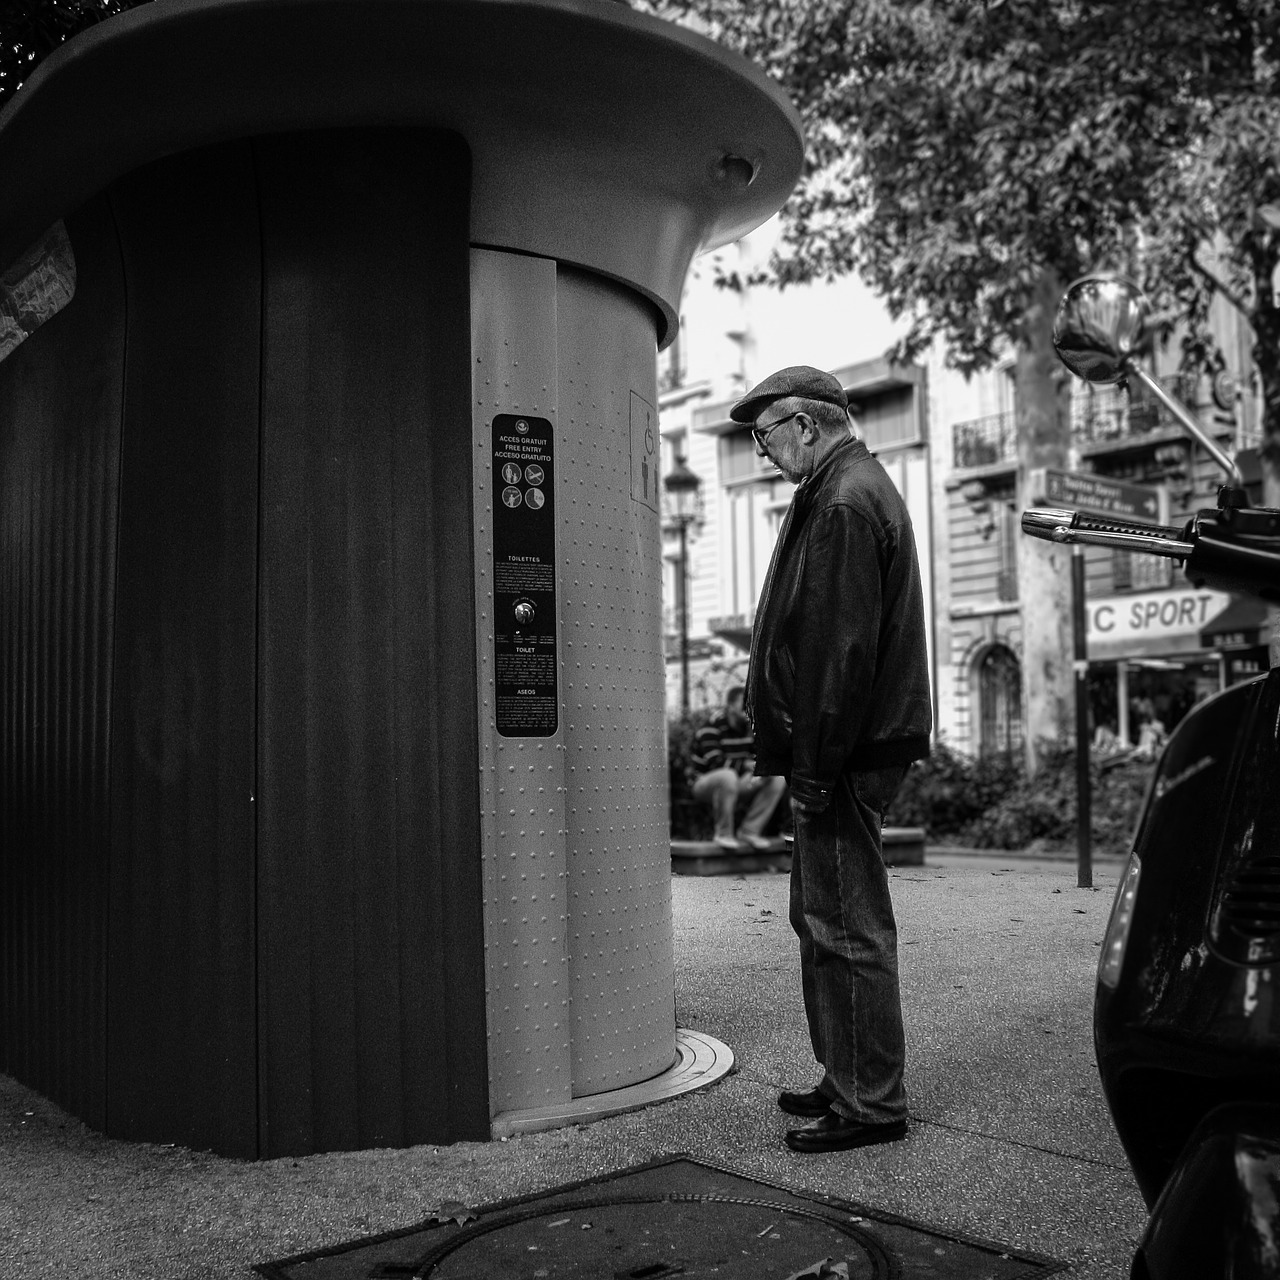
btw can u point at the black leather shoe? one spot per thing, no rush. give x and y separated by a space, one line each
809 1103
832 1132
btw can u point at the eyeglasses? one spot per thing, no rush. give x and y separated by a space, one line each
762 434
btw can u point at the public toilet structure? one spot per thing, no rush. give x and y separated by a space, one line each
333 800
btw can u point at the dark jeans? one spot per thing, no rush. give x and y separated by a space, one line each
842 914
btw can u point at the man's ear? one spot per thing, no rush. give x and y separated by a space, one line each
809 432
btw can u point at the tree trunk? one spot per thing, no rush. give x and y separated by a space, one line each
1044 568
1265 320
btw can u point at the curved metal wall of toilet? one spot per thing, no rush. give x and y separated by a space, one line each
289 864
242 834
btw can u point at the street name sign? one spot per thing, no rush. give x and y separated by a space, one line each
1098 494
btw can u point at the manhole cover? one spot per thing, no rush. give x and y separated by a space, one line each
673 1216
653 1237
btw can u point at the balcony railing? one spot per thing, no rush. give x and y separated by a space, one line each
983 442
1099 415
1107 414
1130 572
670 377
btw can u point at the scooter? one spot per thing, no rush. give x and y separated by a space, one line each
1187 1008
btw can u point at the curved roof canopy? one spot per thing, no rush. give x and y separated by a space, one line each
599 136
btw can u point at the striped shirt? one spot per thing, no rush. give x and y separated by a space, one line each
718 745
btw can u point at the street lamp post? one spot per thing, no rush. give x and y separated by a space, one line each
682 486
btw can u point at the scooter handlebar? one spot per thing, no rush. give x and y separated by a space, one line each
1057 525
1231 549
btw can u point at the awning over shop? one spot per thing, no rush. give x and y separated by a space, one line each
1242 624
736 629
700 648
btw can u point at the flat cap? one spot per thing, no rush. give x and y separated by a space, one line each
797 380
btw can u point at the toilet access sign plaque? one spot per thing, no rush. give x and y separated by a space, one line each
524 577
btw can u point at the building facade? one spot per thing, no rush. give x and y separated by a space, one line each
950 444
1155 643
730 339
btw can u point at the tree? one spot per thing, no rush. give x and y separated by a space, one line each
1221 235
969 159
30 30
1218 229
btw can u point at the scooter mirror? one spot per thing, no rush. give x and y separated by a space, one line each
1100 325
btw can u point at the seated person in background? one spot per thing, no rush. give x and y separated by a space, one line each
724 752
1151 732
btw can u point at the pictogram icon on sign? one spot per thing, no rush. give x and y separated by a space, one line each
644 453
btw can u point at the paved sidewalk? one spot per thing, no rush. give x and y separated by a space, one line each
936 852
1011 1140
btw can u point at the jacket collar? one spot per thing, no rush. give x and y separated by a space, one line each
851 448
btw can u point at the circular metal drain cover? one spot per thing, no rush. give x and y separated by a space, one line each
648 1238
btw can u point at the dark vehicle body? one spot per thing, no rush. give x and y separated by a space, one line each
1187 1014
1188 1038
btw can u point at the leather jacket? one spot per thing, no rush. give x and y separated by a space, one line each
838 679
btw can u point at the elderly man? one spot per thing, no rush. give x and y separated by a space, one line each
838 693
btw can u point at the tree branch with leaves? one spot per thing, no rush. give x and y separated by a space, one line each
30 30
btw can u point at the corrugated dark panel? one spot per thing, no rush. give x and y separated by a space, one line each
59 456
181 983
371 946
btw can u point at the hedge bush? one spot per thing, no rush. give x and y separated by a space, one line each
991 802
981 802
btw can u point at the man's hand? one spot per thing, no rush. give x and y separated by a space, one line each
809 805
808 796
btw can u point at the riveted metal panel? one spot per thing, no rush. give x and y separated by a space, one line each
616 800
513 317
60 395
